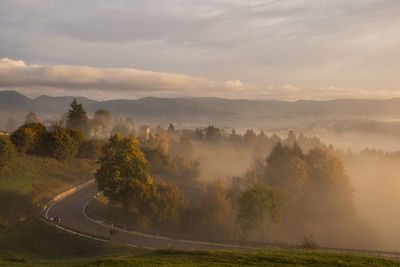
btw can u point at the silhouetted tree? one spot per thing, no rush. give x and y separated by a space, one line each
213 134
199 134
77 117
171 128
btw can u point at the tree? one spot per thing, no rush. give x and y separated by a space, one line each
123 176
291 138
171 128
258 205
11 125
213 134
329 180
29 138
32 118
7 151
168 204
103 116
287 169
199 134
219 213
249 138
234 137
63 144
77 118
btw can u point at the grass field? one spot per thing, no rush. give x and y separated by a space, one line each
270 257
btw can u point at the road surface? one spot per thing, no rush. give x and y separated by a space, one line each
71 211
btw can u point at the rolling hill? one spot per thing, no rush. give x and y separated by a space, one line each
244 113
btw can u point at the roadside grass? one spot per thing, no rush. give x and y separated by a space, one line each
39 243
29 173
32 181
265 257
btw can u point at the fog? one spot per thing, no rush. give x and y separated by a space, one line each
376 180
374 177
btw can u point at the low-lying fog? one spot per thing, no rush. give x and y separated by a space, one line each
375 176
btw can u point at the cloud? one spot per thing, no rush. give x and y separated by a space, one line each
14 74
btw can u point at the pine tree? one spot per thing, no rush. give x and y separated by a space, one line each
77 118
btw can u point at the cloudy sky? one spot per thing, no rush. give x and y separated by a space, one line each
271 49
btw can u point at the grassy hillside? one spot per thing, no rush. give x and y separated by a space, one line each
27 185
24 235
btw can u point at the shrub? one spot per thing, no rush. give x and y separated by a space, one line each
29 138
62 144
309 243
7 152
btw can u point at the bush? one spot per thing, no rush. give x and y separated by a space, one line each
309 243
29 138
7 152
62 144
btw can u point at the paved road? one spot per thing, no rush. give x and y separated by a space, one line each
71 212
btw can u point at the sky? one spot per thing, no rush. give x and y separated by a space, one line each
271 49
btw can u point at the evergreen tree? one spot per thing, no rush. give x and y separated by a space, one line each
77 118
171 128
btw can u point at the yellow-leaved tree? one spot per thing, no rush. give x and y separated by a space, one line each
123 176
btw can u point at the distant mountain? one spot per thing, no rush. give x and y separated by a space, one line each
59 104
239 113
12 99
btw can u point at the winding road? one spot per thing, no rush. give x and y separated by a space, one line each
71 211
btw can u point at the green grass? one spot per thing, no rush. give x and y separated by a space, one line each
40 243
33 180
268 257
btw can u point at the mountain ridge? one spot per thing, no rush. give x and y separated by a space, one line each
205 110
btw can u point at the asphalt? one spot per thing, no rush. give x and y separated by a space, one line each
72 216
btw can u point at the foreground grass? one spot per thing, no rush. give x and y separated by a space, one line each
268 257
39 243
